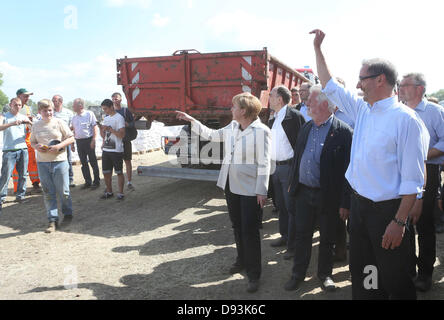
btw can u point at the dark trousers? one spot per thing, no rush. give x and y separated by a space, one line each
69 156
283 202
368 222
244 212
341 238
85 152
308 209
425 227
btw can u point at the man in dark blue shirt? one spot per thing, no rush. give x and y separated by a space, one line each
319 187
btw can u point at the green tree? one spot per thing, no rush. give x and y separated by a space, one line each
438 95
3 97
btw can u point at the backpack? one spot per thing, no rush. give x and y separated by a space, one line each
130 132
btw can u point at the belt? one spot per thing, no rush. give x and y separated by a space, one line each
281 163
364 199
14 150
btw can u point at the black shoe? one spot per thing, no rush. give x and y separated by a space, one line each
253 286
423 283
72 185
293 284
281 242
328 284
95 185
289 254
85 186
236 268
439 228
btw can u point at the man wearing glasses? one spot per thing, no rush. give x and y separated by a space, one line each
304 91
386 173
412 92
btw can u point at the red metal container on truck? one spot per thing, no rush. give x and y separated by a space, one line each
200 84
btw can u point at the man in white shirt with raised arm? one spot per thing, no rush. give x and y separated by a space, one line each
386 173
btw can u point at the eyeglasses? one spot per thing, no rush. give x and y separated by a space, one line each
369 77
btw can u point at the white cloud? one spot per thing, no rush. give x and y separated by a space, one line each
160 21
122 3
92 80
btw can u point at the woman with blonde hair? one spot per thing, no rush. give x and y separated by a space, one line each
244 176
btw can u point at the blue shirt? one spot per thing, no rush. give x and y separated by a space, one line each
389 148
310 167
304 111
433 117
14 137
65 114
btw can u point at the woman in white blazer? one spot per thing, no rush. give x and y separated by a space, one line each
244 176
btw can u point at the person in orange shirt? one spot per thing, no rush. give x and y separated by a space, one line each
23 95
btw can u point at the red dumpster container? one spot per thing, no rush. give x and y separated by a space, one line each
202 85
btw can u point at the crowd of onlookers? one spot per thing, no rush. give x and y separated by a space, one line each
40 146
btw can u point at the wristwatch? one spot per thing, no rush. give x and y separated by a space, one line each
420 195
399 222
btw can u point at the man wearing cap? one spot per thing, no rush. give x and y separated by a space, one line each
23 95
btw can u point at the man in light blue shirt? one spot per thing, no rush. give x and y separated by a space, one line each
412 92
386 172
66 115
15 151
304 92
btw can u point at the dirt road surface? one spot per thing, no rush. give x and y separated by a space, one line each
169 239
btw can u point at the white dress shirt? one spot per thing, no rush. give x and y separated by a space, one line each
389 148
281 149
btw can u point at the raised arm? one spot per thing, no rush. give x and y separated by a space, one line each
323 72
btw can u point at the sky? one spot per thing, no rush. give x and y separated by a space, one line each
70 47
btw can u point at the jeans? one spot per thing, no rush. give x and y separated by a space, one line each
54 177
20 160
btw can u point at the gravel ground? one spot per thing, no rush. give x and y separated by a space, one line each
169 239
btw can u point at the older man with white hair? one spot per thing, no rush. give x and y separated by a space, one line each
317 181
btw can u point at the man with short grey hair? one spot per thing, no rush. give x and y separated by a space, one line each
319 188
85 132
386 173
285 128
65 115
412 92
